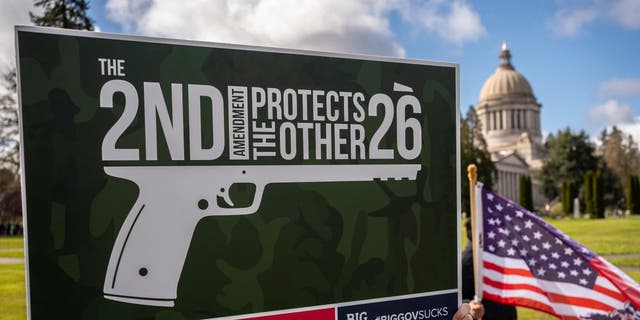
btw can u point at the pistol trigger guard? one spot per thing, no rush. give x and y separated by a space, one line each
225 196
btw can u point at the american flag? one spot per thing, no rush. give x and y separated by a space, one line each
527 262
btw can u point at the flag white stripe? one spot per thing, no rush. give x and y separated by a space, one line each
559 308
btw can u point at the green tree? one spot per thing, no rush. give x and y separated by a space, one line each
68 14
598 196
587 192
570 156
525 193
473 149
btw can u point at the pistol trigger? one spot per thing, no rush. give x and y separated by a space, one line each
224 193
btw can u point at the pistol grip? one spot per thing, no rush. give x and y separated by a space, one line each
149 252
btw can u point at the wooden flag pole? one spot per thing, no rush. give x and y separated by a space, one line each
472 174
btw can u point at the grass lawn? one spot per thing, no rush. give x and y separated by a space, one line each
12 292
18 253
11 243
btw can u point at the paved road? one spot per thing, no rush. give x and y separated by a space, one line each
11 260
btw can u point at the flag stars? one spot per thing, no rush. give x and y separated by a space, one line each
546 245
586 271
561 275
498 221
492 222
574 273
490 196
532 262
517 228
519 214
535 248
491 234
528 224
568 251
499 207
523 252
544 257
508 218
555 255
564 264
515 242
558 241
583 282
537 235
511 251
552 266
492 248
541 271
501 243
577 261
526 238
506 232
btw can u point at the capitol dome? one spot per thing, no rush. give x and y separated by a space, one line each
506 82
509 117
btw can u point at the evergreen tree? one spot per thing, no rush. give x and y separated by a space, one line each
598 201
473 149
587 190
567 197
525 192
570 156
68 14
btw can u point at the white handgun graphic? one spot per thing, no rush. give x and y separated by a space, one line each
151 247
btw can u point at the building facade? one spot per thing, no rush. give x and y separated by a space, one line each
509 114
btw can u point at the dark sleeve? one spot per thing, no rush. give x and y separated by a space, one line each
467 273
498 311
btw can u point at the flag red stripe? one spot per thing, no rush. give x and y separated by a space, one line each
609 292
510 271
511 286
630 292
580 302
553 297
523 302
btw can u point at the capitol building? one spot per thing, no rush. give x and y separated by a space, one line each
509 115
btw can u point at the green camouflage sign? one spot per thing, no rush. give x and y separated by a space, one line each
169 179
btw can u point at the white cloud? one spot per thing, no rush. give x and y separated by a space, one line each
627 13
619 88
455 22
610 113
569 23
632 128
331 25
14 12
571 18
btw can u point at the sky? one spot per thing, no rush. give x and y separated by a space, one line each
580 56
